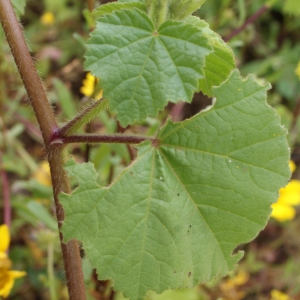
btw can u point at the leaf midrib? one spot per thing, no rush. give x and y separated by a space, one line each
146 218
194 203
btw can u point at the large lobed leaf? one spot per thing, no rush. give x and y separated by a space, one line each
173 217
141 69
218 63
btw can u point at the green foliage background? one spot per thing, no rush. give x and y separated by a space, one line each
268 48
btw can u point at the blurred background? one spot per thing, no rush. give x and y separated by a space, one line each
265 37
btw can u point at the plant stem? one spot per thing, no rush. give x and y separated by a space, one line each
25 156
90 5
104 138
87 150
131 152
5 194
82 118
31 128
252 19
157 11
47 123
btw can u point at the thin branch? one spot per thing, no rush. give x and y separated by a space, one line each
131 151
90 5
87 150
103 138
32 129
5 194
48 125
82 118
252 19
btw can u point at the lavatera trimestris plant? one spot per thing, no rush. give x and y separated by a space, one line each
200 187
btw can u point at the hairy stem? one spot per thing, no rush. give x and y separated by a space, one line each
82 118
105 138
47 123
157 11
5 194
90 5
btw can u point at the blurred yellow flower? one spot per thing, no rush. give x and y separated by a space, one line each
241 278
289 196
297 70
277 295
7 276
292 166
88 86
230 287
47 18
42 174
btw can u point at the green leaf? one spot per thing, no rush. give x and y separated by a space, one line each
292 7
173 218
19 6
114 6
219 63
182 9
126 1
85 116
162 10
65 98
42 214
140 69
157 11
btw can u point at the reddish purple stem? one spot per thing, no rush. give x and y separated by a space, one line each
103 138
252 19
6 195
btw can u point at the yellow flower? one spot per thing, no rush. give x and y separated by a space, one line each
241 278
42 174
230 287
88 86
5 238
47 18
7 276
292 166
297 70
277 295
289 196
